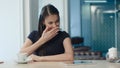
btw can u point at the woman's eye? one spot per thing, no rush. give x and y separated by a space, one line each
57 21
50 23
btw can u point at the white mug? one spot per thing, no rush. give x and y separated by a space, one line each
22 57
112 54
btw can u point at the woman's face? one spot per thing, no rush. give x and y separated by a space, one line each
52 21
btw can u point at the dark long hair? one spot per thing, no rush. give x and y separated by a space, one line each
46 11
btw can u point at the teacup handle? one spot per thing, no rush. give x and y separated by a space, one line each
107 56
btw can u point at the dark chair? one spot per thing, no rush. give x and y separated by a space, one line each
83 52
77 40
78 44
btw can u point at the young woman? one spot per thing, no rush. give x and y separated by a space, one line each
48 43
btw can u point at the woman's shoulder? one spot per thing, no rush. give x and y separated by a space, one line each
64 33
33 36
34 32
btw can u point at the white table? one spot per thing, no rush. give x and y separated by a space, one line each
95 64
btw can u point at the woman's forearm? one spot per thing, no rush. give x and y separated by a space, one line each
29 50
60 57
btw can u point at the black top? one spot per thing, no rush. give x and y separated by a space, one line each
52 47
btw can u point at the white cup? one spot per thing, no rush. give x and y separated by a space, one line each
112 54
22 57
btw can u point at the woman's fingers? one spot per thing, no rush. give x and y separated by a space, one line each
49 33
55 29
46 29
53 32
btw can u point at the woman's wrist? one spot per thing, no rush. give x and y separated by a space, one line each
41 41
40 59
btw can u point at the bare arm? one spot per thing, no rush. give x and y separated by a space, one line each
67 56
29 47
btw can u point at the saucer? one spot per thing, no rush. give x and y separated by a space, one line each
1 62
21 62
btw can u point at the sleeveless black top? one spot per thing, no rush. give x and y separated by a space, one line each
52 47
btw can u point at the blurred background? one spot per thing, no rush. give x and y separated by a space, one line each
97 22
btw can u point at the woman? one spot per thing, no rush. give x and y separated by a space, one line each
48 43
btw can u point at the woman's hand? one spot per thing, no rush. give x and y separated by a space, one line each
49 33
33 58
